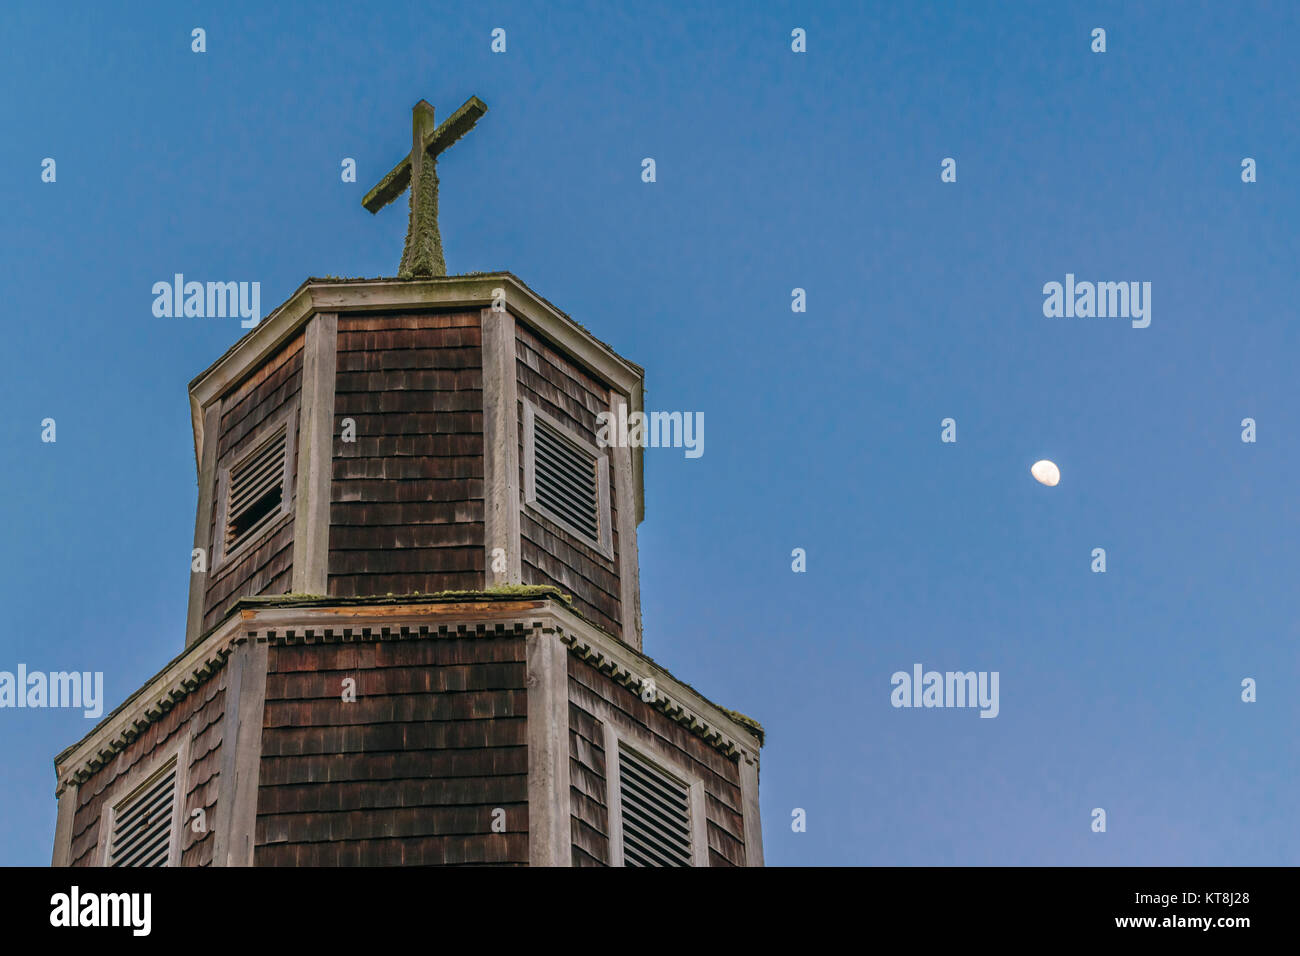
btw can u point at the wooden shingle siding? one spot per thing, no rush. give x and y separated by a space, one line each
409 773
591 692
406 502
267 568
200 716
550 554
589 817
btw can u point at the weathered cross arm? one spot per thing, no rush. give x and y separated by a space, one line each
452 129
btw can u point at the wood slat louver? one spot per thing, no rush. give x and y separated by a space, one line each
257 491
142 824
656 814
565 480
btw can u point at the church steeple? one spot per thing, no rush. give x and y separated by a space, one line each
415 596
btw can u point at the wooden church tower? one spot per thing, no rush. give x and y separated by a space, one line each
414 632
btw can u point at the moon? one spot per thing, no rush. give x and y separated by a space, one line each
1046 472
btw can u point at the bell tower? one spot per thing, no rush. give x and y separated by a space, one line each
414 631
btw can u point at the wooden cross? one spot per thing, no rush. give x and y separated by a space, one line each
422 255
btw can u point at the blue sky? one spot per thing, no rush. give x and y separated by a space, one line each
775 170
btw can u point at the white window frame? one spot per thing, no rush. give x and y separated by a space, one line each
652 754
287 420
131 783
604 543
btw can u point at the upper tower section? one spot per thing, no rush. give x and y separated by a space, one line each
420 434
393 436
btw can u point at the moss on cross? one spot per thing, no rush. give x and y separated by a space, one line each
422 255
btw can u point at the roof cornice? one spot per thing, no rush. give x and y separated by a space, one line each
728 732
306 618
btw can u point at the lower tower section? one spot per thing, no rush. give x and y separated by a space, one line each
469 728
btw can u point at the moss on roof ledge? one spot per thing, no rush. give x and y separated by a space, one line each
459 275
505 592
746 721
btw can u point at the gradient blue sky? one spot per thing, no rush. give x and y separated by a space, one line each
775 170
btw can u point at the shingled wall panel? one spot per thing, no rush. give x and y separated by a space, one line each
267 568
588 789
550 554
406 503
410 772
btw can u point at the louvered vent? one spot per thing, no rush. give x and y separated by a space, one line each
565 481
256 491
142 824
656 814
